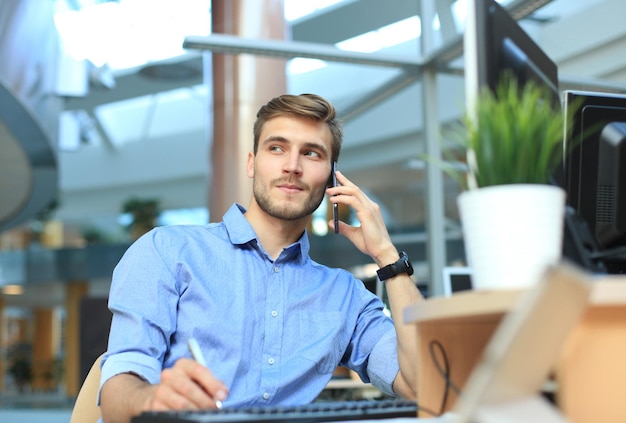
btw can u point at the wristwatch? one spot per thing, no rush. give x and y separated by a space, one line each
403 265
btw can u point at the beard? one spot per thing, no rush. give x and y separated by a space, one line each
286 210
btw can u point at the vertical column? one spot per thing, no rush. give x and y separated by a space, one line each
44 348
75 291
241 84
435 217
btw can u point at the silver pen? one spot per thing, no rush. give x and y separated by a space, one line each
196 353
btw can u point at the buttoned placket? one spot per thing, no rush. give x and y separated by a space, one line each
273 331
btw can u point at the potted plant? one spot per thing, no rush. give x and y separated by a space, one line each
144 214
512 217
20 366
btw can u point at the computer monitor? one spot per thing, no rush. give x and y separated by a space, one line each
456 279
594 174
495 43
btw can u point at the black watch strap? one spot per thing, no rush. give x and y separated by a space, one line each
403 265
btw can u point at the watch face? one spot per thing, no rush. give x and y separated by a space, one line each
403 265
407 263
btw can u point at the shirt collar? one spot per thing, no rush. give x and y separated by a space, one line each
240 232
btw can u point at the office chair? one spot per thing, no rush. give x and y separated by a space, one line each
85 408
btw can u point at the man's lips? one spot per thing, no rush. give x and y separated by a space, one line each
290 188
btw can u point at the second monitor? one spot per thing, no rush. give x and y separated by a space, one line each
595 170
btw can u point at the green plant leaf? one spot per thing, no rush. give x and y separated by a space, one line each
516 134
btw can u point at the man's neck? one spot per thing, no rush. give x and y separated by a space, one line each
274 234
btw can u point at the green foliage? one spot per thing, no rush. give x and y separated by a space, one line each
93 235
514 135
22 371
20 366
143 211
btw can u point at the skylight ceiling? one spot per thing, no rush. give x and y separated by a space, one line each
126 34
123 35
129 33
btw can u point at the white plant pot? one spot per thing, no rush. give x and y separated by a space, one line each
512 233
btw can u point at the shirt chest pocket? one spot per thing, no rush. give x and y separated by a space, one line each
323 339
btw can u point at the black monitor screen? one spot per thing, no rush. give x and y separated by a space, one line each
495 43
595 168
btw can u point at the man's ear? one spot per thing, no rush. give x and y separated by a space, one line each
250 165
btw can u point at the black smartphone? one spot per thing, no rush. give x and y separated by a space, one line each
335 205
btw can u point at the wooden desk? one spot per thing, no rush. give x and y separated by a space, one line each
591 374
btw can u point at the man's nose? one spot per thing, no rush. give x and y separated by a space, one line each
294 164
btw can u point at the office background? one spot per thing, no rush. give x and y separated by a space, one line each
141 125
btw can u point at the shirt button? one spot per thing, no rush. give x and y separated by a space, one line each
276 269
274 313
266 396
271 361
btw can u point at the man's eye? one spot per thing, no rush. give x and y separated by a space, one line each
312 154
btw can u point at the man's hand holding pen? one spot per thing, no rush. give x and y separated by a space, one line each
189 385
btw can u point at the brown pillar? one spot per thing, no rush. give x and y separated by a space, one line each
44 348
241 84
75 291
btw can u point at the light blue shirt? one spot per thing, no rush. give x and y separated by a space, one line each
272 330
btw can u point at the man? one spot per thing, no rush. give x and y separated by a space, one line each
271 323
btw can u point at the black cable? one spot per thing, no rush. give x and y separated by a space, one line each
443 371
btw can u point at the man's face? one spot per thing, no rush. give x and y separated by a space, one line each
291 168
